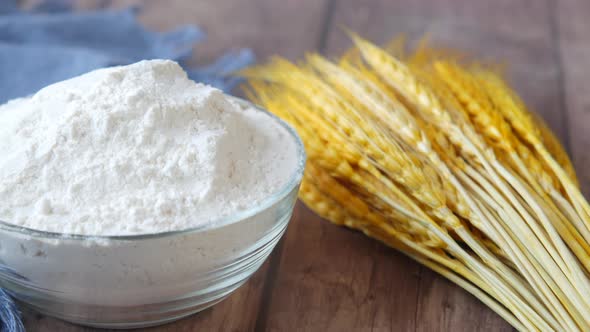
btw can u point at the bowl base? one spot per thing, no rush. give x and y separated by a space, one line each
210 289
125 325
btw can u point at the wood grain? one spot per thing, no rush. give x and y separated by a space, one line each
333 279
572 39
288 27
443 306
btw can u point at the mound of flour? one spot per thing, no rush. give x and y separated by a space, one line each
133 150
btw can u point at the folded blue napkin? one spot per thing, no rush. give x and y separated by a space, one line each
51 43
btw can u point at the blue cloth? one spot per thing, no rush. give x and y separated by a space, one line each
9 314
51 43
37 49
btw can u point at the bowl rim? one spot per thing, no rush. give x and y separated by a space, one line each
293 183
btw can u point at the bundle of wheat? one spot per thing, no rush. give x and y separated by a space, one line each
443 162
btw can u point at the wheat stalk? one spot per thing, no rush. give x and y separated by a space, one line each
425 156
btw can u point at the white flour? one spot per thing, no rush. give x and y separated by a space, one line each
133 150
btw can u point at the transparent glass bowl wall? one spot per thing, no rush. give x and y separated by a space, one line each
138 281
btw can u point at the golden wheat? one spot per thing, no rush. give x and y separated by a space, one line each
443 162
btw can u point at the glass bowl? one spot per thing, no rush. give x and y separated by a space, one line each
144 280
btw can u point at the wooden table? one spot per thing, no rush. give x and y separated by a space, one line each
325 278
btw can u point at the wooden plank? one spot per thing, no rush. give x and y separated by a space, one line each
334 279
442 306
517 32
288 28
572 30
